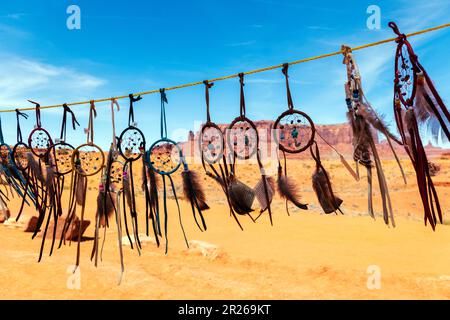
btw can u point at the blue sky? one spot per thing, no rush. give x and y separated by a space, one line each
131 46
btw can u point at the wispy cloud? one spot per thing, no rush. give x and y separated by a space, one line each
241 44
26 78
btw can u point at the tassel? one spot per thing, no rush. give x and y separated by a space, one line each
241 196
288 190
260 192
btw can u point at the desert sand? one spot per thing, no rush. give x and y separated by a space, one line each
307 255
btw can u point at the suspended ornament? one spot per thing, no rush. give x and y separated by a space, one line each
87 160
294 132
165 158
424 114
365 123
243 142
212 153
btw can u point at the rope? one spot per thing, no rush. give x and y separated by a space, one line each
278 66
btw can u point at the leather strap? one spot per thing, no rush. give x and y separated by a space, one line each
64 121
208 85
90 129
242 99
19 131
131 111
288 90
162 92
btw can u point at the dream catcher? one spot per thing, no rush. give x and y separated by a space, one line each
243 142
20 155
165 157
109 196
365 123
45 182
423 109
294 132
87 160
212 145
10 177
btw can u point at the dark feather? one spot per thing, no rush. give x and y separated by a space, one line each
102 211
260 192
35 167
153 185
376 121
192 189
428 112
127 190
322 187
288 190
241 196
80 194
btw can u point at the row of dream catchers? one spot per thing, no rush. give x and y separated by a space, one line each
294 132
38 170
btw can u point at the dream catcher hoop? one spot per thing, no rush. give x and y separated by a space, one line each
212 152
418 106
243 142
62 151
88 159
39 139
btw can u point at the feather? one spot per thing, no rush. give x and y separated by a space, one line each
105 207
49 182
322 187
35 167
260 192
288 190
153 185
127 190
241 196
428 112
80 193
193 190
376 121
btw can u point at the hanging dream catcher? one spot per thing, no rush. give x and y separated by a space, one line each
365 123
419 113
20 154
45 181
87 160
165 157
294 132
212 147
109 196
243 142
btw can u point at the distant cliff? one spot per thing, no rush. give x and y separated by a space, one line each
338 135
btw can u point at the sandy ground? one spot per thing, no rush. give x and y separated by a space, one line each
307 255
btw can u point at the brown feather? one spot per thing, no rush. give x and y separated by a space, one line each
241 196
80 193
193 190
102 211
322 187
35 167
288 190
260 192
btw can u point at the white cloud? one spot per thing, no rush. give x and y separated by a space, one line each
24 78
